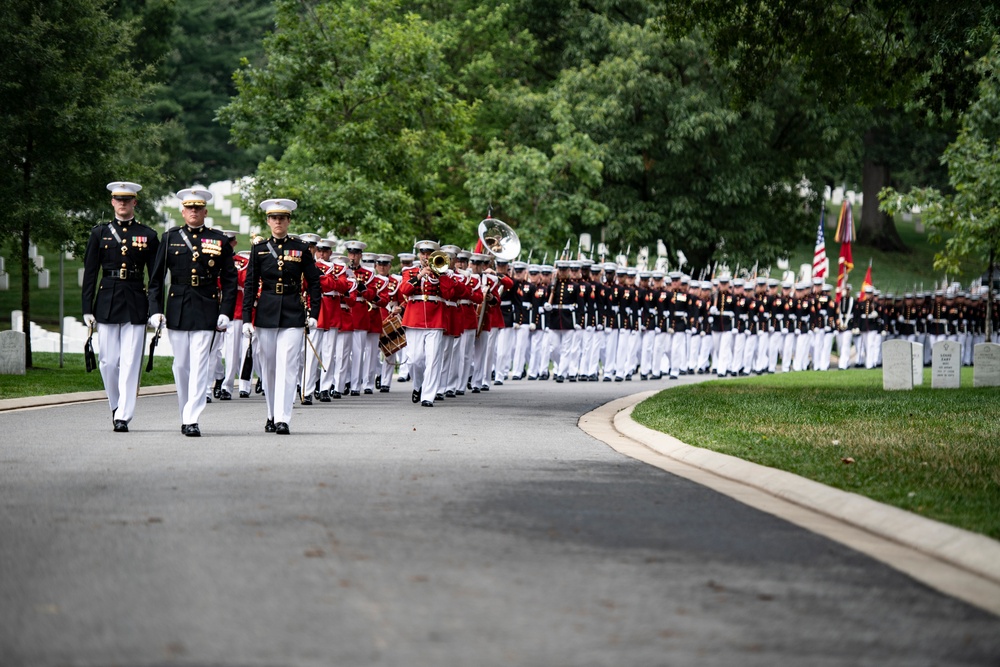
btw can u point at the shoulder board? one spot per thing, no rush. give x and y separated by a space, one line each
258 239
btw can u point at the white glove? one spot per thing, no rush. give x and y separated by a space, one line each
532 327
797 332
670 331
590 328
701 333
517 325
827 329
311 323
156 320
600 327
713 311
222 323
784 330
658 330
547 306
884 334
856 332
577 327
89 320
547 329
770 330
247 329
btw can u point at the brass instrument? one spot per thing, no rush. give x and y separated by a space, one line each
499 239
438 262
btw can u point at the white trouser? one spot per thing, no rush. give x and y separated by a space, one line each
646 345
844 348
705 345
623 359
739 345
803 344
358 341
233 350
662 342
775 345
522 342
342 360
120 349
873 345
403 358
481 357
280 369
327 352
572 349
191 371
611 338
369 363
537 351
464 352
505 352
387 368
678 353
317 336
425 357
763 351
725 355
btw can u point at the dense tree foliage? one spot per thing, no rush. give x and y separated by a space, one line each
67 92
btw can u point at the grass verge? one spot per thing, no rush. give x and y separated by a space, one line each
46 378
932 452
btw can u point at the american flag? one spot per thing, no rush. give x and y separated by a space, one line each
821 265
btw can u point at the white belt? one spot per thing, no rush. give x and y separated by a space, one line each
464 302
568 307
728 313
676 314
503 303
451 303
429 297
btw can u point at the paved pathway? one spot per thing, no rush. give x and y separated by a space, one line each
489 530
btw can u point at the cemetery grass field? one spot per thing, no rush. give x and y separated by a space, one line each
47 378
932 452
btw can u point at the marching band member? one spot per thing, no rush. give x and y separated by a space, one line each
282 268
389 297
360 309
122 250
424 321
199 303
406 260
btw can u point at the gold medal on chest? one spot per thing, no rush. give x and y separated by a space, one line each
211 262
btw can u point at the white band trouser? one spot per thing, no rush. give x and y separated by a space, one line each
120 347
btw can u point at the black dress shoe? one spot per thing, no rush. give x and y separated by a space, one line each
259 388
475 390
460 392
532 377
369 391
244 394
403 378
378 381
184 428
450 393
217 388
121 426
208 399
427 404
571 378
193 431
269 426
355 393
224 395
281 428
324 396
336 394
384 389
558 378
307 400
415 396
607 379
485 387
438 397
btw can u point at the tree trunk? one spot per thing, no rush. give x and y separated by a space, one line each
876 228
26 266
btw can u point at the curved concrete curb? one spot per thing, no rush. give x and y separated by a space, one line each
968 551
75 397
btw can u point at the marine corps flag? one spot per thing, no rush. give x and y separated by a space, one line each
844 236
867 281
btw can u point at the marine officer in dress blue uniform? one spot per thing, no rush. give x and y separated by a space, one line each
199 302
114 303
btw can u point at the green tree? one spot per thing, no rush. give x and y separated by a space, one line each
357 102
905 60
970 216
67 94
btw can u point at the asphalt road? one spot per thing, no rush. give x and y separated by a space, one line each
488 530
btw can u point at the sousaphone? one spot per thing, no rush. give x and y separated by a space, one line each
499 239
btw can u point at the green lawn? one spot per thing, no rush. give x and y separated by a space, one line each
47 378
932 452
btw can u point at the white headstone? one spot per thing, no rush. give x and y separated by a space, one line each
79 277
986 365
946 365
69 255
897 365
3 265
43 279
918 363
17 320
11 353
209 222
4 282
234 215
32 251
244 224
39 262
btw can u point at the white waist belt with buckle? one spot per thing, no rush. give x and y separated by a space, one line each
451 303
676 314
464 302
571 306
430 297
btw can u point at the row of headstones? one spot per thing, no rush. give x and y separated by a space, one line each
42 340
44 276
903 365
